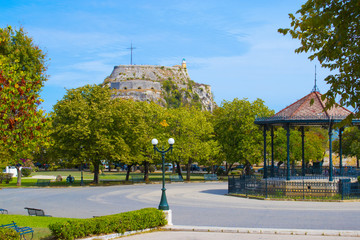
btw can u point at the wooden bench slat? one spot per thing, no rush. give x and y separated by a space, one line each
3 211
43 182
36 212
21 230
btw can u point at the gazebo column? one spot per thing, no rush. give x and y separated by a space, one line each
330 154
288 152
340 150
272 152
303 151
265 167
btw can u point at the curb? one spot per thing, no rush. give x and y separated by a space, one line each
308 232
117 235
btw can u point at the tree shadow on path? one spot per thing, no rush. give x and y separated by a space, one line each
216 191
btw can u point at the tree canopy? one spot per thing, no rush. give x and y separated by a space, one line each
239 137
85 130
350 143
330 30
22 75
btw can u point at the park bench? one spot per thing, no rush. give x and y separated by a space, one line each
176 178
21 230
210 177
137 178
3 211
36 212
43 182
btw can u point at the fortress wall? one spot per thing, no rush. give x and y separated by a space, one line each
148 72
136 84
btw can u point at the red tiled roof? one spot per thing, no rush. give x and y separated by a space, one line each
303 108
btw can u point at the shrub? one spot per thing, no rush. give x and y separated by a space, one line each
119 223
26 171
54 167
220 171
9 234
1 177
151 168
8 177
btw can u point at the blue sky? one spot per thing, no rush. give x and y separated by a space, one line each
231 45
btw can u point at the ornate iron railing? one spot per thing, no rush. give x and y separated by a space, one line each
301 189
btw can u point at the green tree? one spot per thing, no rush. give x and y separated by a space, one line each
22 75
85 129
191 129
350 143
153 117
331 31
315 145
139 122
241 140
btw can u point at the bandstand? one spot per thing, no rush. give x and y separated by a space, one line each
308 111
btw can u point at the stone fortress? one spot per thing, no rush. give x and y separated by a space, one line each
166 86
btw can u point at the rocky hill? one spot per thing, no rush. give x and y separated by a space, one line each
167 86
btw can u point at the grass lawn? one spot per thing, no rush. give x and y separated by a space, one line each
88 177
39 224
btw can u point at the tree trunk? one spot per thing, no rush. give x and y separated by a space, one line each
188 167
179 169
174 168
247 168
357 163
128 172
146 171
228 167
18 183
96 172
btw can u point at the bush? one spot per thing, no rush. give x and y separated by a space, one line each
54 167
117 223
9 234
1 177
8 177
220 171
151 168
26 171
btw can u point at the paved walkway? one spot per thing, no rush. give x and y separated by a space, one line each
195 204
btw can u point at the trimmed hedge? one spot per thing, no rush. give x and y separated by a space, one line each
9 234
117 223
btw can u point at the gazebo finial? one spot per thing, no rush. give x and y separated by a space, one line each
315 89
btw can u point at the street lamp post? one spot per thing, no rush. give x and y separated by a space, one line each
163 202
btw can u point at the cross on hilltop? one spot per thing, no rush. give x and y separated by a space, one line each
131 48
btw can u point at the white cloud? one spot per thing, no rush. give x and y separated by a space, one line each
269 70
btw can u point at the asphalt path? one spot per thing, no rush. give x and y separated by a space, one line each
197 204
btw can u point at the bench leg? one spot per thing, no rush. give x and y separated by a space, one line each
23 236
